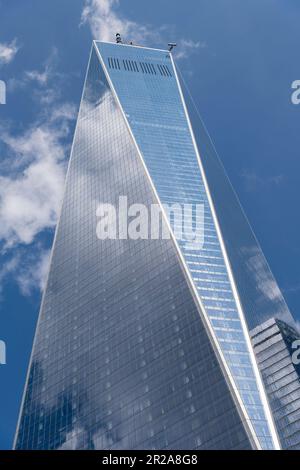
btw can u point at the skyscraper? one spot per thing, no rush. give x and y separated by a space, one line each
142 342
274 343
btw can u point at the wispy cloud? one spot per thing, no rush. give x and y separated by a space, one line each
186 47
41 77
30 199
47 81
105 20
47 72
269 301
8 51
31 185
265 282
7 269
27 268
32 274
254 181
292 289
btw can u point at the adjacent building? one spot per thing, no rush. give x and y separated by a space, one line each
276 345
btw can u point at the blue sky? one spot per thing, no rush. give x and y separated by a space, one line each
239 59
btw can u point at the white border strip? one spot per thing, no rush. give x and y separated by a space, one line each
228 377
50 261
232 281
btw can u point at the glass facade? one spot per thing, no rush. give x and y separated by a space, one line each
137 345
150 97
258 291
268 317
273 344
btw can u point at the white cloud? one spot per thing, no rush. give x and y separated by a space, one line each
265 282
270 301
186 47
292 289
40 77
8 51
34 274
28 269
105 21
30 200
30 196
254 182
30 203
33 165
66 112
7 269
47 81
48 71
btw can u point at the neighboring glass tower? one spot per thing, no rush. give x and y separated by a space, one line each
141 343
275 345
